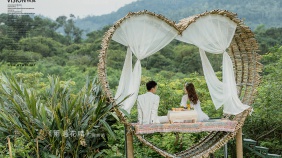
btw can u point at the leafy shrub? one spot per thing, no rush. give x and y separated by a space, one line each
62 123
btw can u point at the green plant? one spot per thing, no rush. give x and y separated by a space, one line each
64 124
19 146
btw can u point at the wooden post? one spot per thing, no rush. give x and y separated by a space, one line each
128 142
239 144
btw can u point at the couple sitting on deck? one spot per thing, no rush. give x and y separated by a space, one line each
148 104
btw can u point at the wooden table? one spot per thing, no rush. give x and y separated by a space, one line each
182 116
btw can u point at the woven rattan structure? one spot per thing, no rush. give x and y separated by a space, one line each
243 52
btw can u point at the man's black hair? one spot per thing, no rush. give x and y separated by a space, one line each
151 84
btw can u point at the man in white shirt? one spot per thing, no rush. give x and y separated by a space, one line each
148 104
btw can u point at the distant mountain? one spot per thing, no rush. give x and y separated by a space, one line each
253 12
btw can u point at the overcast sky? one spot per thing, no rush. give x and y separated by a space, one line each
81 8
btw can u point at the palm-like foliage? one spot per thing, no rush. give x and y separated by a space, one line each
64 124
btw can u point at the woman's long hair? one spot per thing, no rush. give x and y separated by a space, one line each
192 95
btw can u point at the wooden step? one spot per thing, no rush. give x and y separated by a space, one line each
262 150
273 156
250 143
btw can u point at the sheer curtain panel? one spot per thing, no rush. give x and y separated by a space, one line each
143 35
213 34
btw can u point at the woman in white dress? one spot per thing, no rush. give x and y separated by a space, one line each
194 101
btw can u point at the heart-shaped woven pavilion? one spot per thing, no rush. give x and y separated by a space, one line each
242 50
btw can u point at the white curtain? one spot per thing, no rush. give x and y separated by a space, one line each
213 33
125 78
144 35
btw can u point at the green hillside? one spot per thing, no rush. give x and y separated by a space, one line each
254 12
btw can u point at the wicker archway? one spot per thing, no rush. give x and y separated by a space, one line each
246 65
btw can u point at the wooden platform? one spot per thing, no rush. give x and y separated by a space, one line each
208 126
